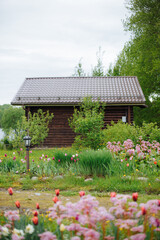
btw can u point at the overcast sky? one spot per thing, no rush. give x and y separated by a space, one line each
47 38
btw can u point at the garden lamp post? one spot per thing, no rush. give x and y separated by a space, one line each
27 141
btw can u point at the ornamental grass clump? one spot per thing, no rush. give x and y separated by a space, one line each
94 163
62 158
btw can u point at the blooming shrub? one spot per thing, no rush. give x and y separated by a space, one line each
143 154
86 220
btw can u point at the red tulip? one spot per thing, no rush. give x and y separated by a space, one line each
135 196
155 162
57 192
159 203
113 194
37 206
144 211
35 213
81 193
10 190
17 204
35 220
55 199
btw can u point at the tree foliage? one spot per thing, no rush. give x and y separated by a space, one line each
141 55
98 70
2 109
36 126
79 72
87 123
10 118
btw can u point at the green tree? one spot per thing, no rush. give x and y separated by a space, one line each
36 126
79 72
144 25
2 108
98 70
10 118
87 123
141 55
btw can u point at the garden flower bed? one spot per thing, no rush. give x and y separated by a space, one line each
85 219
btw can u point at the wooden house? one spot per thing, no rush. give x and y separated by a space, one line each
59 95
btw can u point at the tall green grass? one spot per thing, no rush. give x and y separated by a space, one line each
94 163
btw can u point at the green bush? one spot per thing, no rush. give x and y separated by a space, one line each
87 123
150 132
122 131
93 162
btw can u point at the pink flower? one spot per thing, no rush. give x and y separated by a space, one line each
12 215
53 158
138 229
45 156
16 237
75 238
14 158
32 160
30 151
21 149
59 160
5 155
65 154
127 164
91 234
72 158
47 236
139 236
38 166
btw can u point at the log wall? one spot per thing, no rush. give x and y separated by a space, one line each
61 135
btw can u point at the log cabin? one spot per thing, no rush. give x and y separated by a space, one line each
60 95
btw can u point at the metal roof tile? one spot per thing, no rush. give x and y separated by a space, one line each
71 90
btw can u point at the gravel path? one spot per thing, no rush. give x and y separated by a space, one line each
28 199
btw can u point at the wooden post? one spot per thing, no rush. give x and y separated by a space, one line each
129 114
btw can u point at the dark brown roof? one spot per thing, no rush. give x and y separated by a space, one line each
71 90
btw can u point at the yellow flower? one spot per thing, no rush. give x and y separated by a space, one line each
62 227
137 170
50 219
124 175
